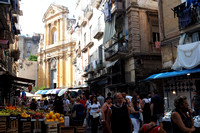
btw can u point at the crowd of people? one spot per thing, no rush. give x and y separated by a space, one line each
121 113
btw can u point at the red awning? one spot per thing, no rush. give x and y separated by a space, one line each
4 43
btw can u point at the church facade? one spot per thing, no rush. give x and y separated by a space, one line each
55 54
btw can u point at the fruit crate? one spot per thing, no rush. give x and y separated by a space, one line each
3 124
12 125
52 127
25 125
37 125
80 129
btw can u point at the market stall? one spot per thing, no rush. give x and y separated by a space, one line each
14 119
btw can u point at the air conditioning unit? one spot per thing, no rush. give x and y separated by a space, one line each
89 76
104 70
101 72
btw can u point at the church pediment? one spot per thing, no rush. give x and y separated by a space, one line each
53 10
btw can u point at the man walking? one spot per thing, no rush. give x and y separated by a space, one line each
157 107
119 116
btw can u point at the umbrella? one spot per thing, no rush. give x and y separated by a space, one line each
44 92
49 91
38 92
55 91
62 92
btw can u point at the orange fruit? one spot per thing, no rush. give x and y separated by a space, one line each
54 117
57 115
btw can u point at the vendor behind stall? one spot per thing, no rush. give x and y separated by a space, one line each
182 120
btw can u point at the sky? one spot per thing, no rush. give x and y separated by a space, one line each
33 12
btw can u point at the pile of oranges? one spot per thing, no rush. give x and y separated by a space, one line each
54 117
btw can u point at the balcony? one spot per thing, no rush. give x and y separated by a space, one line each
96 3
90 43
6 63
84 49
83 21
116 51
118 7
88 12
187 17
98 31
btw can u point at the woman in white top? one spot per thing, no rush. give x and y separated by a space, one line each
93 110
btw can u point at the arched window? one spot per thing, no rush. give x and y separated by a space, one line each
54 37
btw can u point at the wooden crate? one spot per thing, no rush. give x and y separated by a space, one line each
26 127
3 124
80 129
37 126
52 127
12 126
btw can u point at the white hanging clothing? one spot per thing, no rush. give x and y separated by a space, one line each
188 56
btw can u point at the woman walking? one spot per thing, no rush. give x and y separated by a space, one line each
93 110
104 111
135 113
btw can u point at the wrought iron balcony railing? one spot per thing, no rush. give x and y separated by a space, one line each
116 50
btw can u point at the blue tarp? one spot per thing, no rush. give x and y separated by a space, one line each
172 74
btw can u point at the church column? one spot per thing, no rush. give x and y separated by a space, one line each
59 29
49 34
47 74
61 71
46 34
58 71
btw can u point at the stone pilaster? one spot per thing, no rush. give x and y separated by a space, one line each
134 29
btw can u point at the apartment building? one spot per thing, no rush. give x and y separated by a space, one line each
9 51
179 33
125 45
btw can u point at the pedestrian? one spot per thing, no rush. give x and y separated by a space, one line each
182 121
135 113
94 109
196 103
86 106
33 105
71 105
157 107
119 116
83 101
145 104
100 99
152 127
66 105
104 111
38 103
45 104
78 109
58 105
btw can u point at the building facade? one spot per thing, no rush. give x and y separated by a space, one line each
55 55
122 49
28 46
179 49
9 51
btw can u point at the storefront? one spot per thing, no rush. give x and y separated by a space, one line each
177 83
